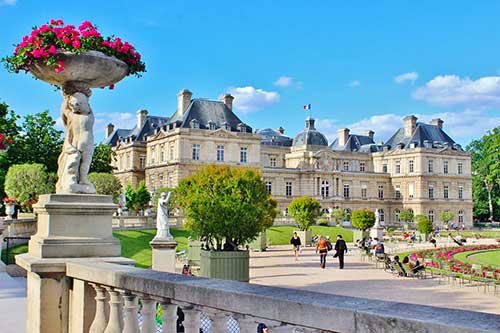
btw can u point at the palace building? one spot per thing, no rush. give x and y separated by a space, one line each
419 168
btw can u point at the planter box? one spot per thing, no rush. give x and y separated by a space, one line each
193 252
260 244
358 234
305 237
226 265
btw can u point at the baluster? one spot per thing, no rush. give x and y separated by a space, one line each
169 317
218 320
191 320
115 313
148 315
131 323
100 320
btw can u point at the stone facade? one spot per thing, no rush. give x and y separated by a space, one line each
419 168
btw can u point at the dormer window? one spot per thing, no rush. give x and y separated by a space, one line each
226 126
211 125
195 123
242 127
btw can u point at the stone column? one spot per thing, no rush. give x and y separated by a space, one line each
164 254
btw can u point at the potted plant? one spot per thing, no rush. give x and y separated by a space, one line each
424 225
362 219
304 210
10 206
227 207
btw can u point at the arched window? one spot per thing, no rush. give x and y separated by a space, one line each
396 215
381 215
324 211
461 216
431 215
325 189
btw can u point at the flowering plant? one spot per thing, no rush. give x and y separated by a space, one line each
44 42
10 201
5 142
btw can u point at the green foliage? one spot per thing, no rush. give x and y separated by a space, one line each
102 158
26 182
323 222
273 212
225 204
107 184
406 216
338 215
137 199
304 210
424 224
10 129
446 216
363 219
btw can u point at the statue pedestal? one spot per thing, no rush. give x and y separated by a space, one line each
164 254
377 232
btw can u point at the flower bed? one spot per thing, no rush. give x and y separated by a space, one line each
444 259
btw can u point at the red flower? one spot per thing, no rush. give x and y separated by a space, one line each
59 67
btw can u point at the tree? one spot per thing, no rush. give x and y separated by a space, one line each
226 206
102 158
10 129
446 216
26 182
406 216
137 199
424 224
363 219
107 184
304 210
338 215
273 212
41 141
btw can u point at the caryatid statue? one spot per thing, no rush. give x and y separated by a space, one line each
163 231
377 218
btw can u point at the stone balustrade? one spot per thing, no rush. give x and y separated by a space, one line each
121 298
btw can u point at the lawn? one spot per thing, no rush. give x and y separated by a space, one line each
484 257
281 235
483 234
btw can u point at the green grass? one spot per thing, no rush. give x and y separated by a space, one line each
13 251
484 234
281 235
489 257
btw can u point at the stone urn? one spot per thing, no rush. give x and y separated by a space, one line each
81 72
10 210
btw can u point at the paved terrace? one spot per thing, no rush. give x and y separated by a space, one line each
12 304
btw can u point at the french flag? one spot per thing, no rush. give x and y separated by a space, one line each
307 107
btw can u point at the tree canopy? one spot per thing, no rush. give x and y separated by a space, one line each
446 216
363 219
226 206
106 183
304 210
406 216
137 199
102 158
424 224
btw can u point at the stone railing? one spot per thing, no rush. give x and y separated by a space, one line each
105 297
19 228
143 222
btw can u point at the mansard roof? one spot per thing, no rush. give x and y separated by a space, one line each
424 135
272 137
356 143
205 111
136 134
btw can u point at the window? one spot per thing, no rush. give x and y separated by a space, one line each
460 168
461 216
170 181
196 152
128 161
445 167
460 192
171 152
362 166
288 189
142 161
430 165
411 166
153 152
381 216
346 191
431 191
398 192
162 154
211 125
337 186
152 183
346 166
272 161
220 153
325 189
398 167
243 154
381 191
396 215
446 192
161 180
363 191
269 187
410 190
384 167
431 215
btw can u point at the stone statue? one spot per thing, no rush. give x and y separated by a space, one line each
377 218
76 156
163 231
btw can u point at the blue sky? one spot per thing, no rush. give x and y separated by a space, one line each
361 64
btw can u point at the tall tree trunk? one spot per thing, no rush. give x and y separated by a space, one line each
489 189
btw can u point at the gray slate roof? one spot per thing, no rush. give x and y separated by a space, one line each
136 134
358 143
310 136
272 137
204 111
425 135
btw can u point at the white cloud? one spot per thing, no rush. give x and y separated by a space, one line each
451 90
283 81
249 99
384 125
354 83
8 2
411 76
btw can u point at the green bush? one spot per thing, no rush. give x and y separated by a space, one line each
424 224
323 222
107 184
137 199
304 210
363 219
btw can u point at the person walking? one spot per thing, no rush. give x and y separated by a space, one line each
322 248
340 249
296 243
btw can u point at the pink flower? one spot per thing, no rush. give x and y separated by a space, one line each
56 22
59 67
76 44
52 49
37 53
66 40
111 87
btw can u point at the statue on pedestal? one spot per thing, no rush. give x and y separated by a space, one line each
163 231
377 219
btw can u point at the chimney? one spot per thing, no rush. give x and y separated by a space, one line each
141 118
228 100
343 136
370 134
437 122
109 130
183 100
410 124
281 130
